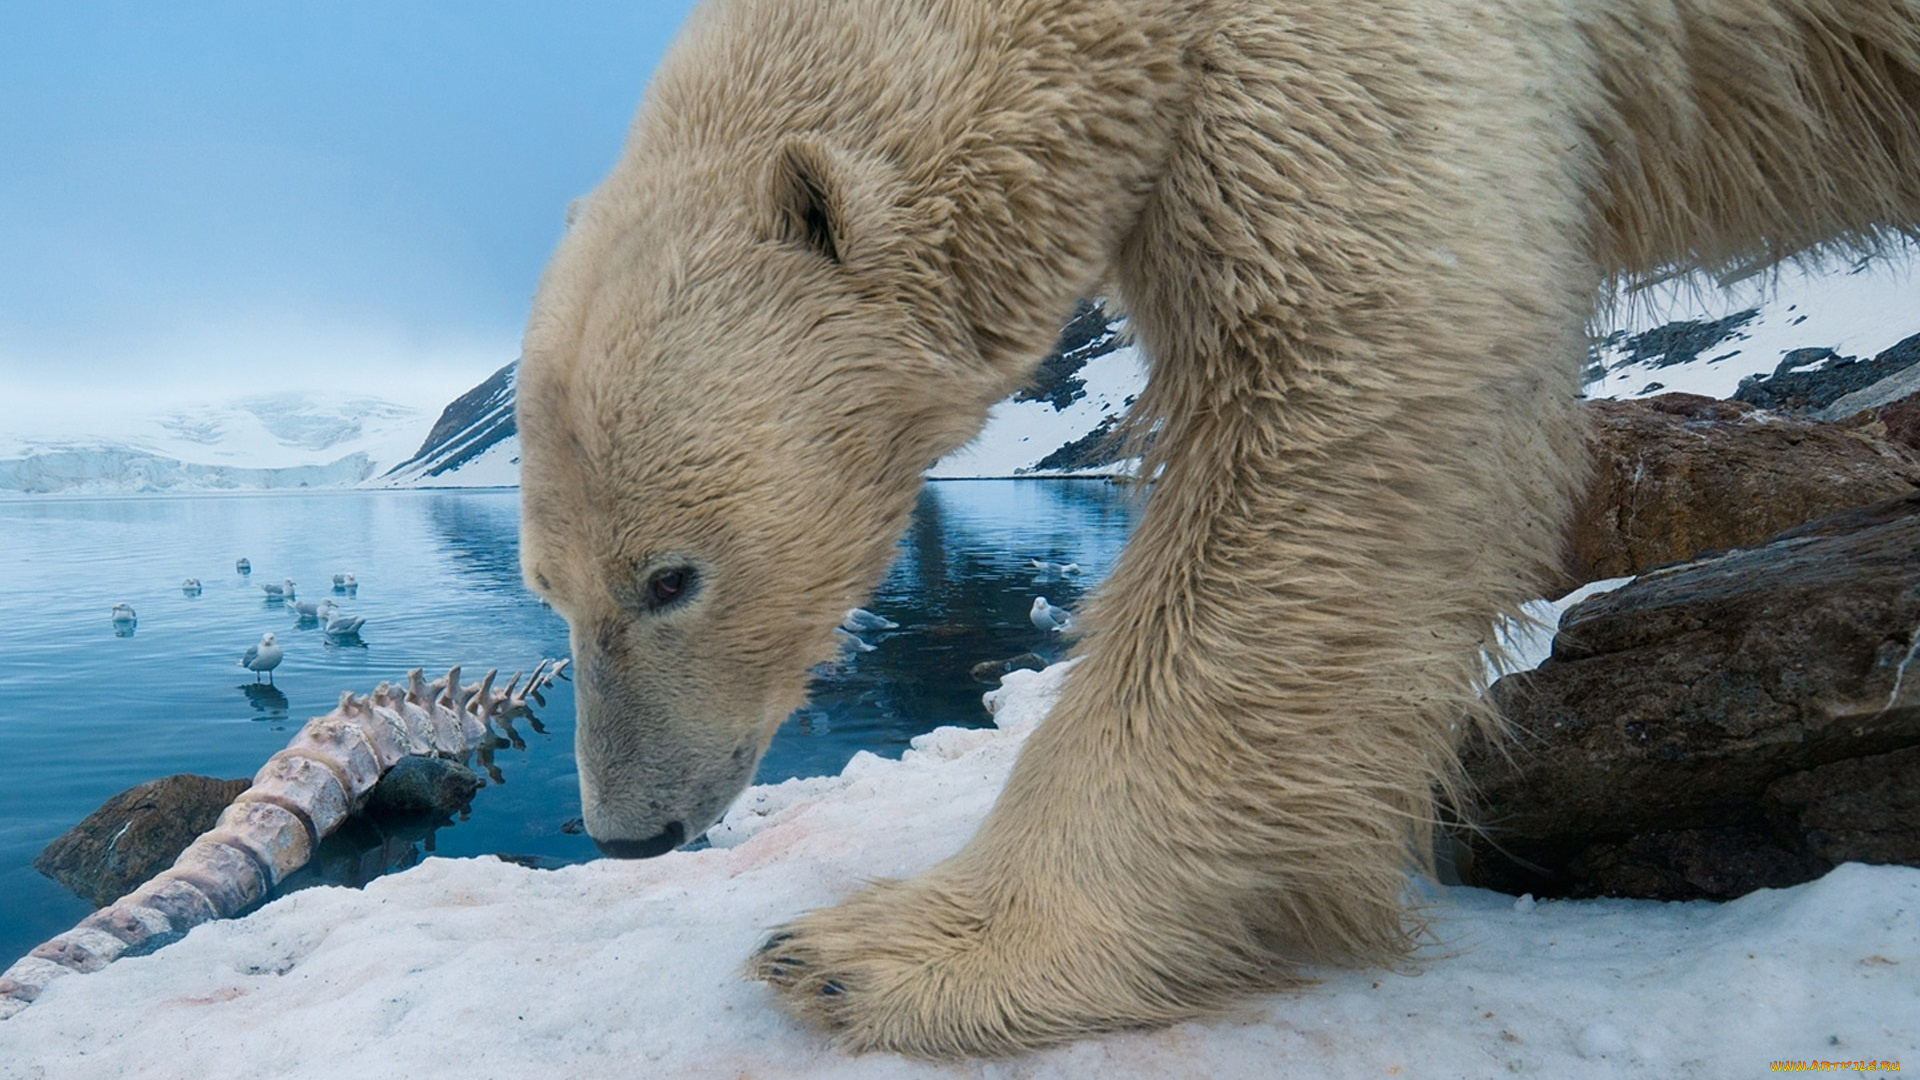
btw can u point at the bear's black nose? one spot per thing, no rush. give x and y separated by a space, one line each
670 837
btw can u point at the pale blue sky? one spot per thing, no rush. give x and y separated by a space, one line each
219 198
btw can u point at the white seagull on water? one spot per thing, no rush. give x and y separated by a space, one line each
338 625
857 620
279 592
1047 617
262 657
123 613
191 586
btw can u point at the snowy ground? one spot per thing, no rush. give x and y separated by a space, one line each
477 968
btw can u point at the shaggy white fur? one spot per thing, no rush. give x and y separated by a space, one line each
1359 241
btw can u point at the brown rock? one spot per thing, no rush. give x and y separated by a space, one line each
1663 734
1896 422
135 835
1678 475
1902 421
1861 810
1711 864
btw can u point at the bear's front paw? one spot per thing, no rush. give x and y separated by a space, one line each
922 968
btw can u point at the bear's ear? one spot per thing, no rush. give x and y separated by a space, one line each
807 199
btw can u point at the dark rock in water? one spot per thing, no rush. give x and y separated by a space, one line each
1810 379
423 785
989 671
135 835
1678 475
1744 720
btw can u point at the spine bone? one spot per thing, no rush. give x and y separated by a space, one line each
299 796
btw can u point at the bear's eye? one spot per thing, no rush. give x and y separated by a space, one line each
669 586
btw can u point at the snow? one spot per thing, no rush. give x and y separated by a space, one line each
496 466
257 442
1019 434
1856 308
1526 643
478 968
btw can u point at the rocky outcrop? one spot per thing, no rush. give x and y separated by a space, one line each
1897 423
1678 475
1808 380
1747 719
1089 334
135 835
469 426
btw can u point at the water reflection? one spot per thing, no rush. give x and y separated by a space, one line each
962 588
266 698
481 537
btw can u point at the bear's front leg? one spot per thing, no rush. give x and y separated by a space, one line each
1097 896
1243 768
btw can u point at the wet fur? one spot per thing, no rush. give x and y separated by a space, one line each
1360 240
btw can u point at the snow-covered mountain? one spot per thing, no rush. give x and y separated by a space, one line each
263 442
473 444
1689 333
1065 422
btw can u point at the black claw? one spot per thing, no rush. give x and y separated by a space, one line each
831 989
768 945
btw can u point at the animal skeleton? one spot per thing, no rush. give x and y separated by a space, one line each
270 830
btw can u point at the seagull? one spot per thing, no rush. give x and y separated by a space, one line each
850 642
123 613
338 625
1048 569
307 610
279 592
191 586
859 619
243 566
262 657
344 583
1047 617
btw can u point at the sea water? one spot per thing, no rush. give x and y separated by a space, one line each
89 707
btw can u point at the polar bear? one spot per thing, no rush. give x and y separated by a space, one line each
1360 240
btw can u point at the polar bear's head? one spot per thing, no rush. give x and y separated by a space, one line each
734 374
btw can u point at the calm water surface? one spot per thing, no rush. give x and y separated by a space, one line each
88 710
